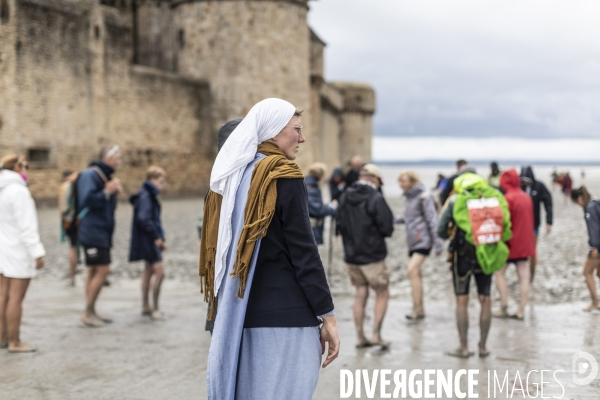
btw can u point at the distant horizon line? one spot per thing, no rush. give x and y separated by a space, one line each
547 163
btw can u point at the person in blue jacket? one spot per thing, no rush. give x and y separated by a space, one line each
148 238
97 192
317 211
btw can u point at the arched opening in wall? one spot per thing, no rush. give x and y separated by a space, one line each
97 32
4 11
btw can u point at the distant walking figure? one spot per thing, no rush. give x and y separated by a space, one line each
420 218
591 213
97 193
21 251
316 209
539 195
148 238
522 244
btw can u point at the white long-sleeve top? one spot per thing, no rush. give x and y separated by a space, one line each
20 243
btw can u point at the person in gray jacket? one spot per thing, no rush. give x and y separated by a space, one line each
420 218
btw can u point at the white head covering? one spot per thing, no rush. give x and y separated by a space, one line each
264 121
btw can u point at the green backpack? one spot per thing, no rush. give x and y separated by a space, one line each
482 213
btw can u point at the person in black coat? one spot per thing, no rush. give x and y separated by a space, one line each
352 176
317 211
148 238
365 220
539 195
450 183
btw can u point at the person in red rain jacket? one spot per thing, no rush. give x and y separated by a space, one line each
522 244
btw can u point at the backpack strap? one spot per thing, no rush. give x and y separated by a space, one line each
102 176
100 173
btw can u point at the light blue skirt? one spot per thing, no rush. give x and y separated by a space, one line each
278 363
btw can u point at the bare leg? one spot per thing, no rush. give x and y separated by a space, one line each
381 303
14 311
588 271
485 321
503 289
533 262
4 287
96 277
146 276
158 272
462 322
416 283
360 302
73 263
524 280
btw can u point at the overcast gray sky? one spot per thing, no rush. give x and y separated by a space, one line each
524 69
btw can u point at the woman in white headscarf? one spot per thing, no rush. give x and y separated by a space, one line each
259 265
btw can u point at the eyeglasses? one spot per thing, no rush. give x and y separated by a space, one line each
24 165
298 128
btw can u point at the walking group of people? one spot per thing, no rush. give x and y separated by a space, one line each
490 224
87 202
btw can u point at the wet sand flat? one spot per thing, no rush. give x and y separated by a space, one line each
136 358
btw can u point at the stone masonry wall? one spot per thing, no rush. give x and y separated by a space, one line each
69 87
248 51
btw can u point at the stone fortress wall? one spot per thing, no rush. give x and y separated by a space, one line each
159 78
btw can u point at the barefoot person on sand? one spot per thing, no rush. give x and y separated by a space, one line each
477 248
97 193
21 251
420 218
365 220
522 244
591 207
148 238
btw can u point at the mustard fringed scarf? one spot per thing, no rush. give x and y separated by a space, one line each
258 214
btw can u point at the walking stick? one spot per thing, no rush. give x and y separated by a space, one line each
330 254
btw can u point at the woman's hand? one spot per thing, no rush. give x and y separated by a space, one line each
39 263
329 334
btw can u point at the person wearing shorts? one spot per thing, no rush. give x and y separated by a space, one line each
364 219
522 244
97 192
591 212
420 218
148 238
465 266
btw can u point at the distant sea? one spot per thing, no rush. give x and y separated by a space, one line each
428 171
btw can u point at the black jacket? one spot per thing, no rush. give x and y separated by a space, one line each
146 226
289 288
351 177
364 220
539 194
592 219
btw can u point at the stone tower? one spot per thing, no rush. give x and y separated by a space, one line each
248 50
